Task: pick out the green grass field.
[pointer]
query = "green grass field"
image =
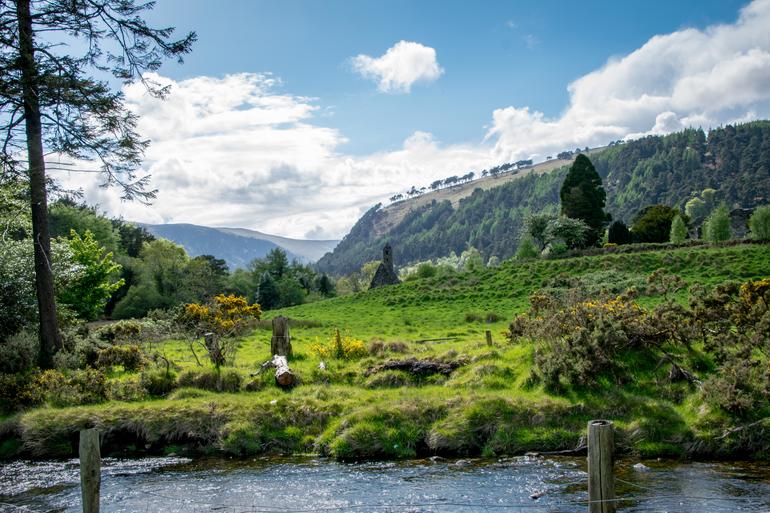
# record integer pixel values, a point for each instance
(487, 406)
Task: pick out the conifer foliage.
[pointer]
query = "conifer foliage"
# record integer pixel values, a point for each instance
(583, 197)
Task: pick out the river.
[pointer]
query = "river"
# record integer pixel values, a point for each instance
(435, 485)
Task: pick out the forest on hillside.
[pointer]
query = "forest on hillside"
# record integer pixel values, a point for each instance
(734, 160)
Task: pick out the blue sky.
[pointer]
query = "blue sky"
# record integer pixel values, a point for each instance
(294, 118)
(493, 53)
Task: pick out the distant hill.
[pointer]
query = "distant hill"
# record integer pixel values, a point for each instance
(238, 246)
(489, 214)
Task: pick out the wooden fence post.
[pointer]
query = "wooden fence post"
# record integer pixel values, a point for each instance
(601, 480)
(90, 470)
(489, 337)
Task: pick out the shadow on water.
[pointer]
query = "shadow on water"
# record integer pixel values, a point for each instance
(430, 485)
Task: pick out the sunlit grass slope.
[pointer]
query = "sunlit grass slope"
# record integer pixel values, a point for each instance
(486, 406)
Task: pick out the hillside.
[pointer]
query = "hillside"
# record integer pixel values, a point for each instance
(489, 404)
(238, 246)
(488, 214)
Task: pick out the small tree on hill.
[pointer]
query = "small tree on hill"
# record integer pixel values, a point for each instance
(218, 322)
(717, 226)
(527, 249)
(618, 233)
(583, 197)
(759, 223)
(678, 230)
(536, 225)
(573, 233)
(653, 223)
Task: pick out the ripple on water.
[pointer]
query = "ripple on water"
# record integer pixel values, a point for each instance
(307, 484)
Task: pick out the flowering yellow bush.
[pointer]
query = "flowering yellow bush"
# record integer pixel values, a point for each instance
(343, 348)
(224, 315)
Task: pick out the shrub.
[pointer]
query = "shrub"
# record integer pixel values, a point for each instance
(740, 387)
(78, 387)
(128, 356)
(578, 340)
(343, 348)
(18, 391)
(759, 223)
(573, 233)
(18, 352)
(158, 381)
(120, 331)
(472, 317)
(653, 223)
(126, 390)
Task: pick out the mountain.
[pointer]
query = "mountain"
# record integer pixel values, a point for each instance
(489, 214)
(238, 246)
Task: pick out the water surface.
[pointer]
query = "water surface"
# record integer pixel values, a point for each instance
(311, 484)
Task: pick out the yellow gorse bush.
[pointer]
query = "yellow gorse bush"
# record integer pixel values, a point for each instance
(223, 315)
(343, 348)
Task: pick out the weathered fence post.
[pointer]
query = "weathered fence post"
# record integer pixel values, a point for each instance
(489, 337)
(601, 479)
(280, 344)
(90, 470)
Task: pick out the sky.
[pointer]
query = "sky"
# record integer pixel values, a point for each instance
(294, 118)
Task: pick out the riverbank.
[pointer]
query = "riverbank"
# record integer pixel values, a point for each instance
(349, 424)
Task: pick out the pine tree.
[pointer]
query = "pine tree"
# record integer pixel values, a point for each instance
(45, 89)
(268, 295)
(618, 233)
(678, 230)
(583, 197)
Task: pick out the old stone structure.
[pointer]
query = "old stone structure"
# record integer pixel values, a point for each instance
(386, 274)
(739, 222)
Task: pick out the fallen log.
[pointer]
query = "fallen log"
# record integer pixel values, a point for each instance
(284, 377)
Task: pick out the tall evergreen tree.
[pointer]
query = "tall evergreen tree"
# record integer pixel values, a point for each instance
(268, 295)
(618, 233)
(49, 104)
(582, 197)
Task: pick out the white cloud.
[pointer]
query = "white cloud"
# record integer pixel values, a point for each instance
(686, 78)
(235, 151)
(403, 65)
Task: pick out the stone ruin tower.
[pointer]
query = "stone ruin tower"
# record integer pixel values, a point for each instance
(386, 274)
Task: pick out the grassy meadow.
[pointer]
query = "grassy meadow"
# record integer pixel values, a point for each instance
(488, 405)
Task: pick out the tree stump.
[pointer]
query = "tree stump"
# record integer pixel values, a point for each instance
(280, 344)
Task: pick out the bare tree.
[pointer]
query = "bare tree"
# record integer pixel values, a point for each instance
(50, 105)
